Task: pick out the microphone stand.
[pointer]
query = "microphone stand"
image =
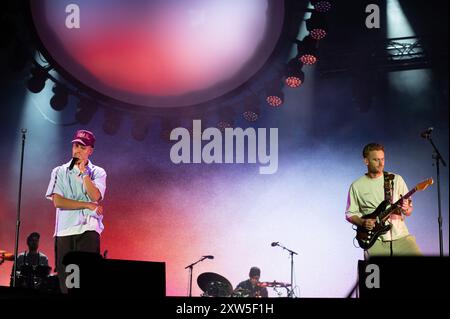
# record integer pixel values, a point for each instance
(191, 266)
(438, 158)
(16, 245)
(291, 255)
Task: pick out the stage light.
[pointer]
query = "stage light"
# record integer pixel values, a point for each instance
(111, 124)
(85, 111)
(322, 5)
(252, 112)
(250, 116)
(38, 78)
(294, 75)
(317, 26)
(60, 98)
(307, 51)
(140, 129)
(275, 94)
(293, 82)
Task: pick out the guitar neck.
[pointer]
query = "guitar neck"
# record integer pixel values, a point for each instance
(395, 206)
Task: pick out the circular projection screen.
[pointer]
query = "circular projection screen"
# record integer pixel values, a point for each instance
(160, 53)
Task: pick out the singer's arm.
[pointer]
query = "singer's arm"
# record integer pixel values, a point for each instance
(92, 189)
(70, 204)
(93, 192)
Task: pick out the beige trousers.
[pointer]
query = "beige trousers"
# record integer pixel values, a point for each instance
(405, 246)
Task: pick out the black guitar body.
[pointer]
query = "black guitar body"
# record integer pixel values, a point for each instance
(367, 238)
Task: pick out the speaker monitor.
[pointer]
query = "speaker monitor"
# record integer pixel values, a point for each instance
(404, 277)
(117, 278)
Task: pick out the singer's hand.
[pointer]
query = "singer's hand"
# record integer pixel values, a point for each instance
(82, 166)
(99, 210)
(95, 207)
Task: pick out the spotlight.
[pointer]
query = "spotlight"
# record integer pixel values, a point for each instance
(60, 98)
(275, 94)
(252, 112)
(322, 5)
(317, 26)
(294, 75)
(111, 122)
(307, 51)
(140, 129)
(85, 111)
(38, 78)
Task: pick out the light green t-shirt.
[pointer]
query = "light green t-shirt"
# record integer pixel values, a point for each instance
(367, 193)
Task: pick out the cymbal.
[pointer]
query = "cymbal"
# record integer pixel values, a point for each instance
(214, 284)
(6, 256)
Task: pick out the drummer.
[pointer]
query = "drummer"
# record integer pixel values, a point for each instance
(33, 257)
(252, 286)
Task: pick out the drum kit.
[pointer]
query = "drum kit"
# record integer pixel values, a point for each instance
(36, 277)
(215, 285)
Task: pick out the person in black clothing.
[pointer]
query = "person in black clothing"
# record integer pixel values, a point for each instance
(252, 287)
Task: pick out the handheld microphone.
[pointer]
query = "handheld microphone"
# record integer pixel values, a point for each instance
(72, 164)
(208, 257)
(274, 244)
(427, 132)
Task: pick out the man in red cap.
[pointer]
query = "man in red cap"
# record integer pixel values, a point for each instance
(76, 188)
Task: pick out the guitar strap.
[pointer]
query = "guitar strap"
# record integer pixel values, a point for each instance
(388, 191)
(388, 186)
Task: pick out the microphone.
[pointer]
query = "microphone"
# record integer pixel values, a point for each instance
(72, 164)
(427, 132)
(274, 244)
(208, 257)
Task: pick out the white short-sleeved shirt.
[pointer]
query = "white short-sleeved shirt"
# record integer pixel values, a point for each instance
(367, 193)
(69, 184)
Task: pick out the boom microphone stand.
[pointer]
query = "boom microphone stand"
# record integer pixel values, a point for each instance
(437, 158)
(291, 255)
(191, 266)
(16, 246)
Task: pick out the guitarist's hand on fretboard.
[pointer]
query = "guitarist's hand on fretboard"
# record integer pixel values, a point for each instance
(406, 206)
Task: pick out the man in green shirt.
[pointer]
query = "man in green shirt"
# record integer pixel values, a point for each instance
(364, 196)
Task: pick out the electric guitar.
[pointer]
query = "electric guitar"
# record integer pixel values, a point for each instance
(366, 238)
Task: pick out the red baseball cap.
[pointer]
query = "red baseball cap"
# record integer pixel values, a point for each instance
(86, 138)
